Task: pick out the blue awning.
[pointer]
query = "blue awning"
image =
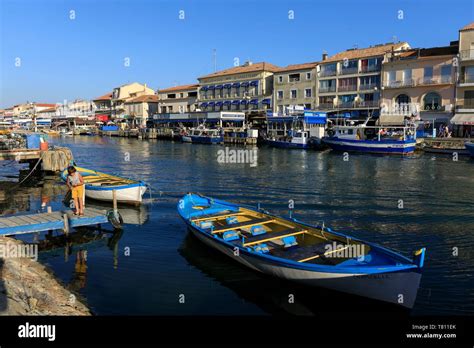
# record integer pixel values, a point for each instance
(244, 84)
(210, 87)
(254, 83)
(254, 102)
(219, 103)
(243, 101)
(235, 102)
(211, 103)
(204, 88)
(227, 85)
(266, 101)
(236, 84)
(218, 87)
(227, 102)
(203, 105)
(315, 119)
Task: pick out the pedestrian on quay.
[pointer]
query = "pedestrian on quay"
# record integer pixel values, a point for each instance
(75, 183)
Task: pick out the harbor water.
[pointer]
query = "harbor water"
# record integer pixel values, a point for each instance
(155, 267)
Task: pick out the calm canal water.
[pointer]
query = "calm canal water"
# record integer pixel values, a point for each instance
(360, 196)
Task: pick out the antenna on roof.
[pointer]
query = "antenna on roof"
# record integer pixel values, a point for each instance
(214, 58)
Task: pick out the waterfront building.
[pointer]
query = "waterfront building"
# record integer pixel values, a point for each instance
(178, 99)
(140, 109)
(124, 93)
(247, 88)
(103, 107)
(294, 85)
(349, 82)
(419, 82)
(463, 119)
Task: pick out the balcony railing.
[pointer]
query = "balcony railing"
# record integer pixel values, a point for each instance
(348, 104)
(368, 86)
(465, 104)
(368, 103)
(326, 73)
(370, 68)
(348, 71)
(347, 88)
(327, 89)
(400, 83)
(466, 54)
(466, 79)
(429, 81)
(326, 106)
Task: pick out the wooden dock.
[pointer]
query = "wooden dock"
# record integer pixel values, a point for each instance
(57, 220)
(20, 155)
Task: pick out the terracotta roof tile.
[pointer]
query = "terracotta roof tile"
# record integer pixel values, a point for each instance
(45, 105)
(49, 109)
(301, 66)
(364, 52)
(179, 88)
(261, 66)
(144, 99)
(107, 96)
(470, 26)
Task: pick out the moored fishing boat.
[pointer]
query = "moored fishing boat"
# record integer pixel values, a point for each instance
(372, 139)
(293, 250)
(470, 148)
(202, 135)
(100, 186)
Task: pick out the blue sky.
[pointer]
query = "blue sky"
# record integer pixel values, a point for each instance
(84, 57)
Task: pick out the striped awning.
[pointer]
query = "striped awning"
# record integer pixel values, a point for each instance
(228, 85)
(227, 102)
(211, 103)
(254, 83)
(463, 119)
(254, 102)
(203, 105)
(235, 102)
(219, 103)
(244, 84)
(236, 84)
(243, 101)
(218, 87)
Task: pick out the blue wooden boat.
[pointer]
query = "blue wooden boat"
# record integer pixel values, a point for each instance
(470, 148)
(294, 250)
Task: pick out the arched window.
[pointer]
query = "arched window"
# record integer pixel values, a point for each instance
(402, 99)
(432, 101)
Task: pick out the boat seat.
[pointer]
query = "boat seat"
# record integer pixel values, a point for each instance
(302, 253)
(216, 216)
(272, 236)
(206, 224)
(289, 241)
(243, 224)
(230, 220)
(261, 248)
(230, 236)
(257, 230)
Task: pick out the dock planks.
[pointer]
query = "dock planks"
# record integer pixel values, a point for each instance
(19, 224)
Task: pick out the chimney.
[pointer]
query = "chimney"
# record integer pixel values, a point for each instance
(325, 55)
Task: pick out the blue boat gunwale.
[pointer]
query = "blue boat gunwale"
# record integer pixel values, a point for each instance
(358, 270)
(375, 141)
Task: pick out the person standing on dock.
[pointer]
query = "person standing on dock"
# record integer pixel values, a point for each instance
(75, 183)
